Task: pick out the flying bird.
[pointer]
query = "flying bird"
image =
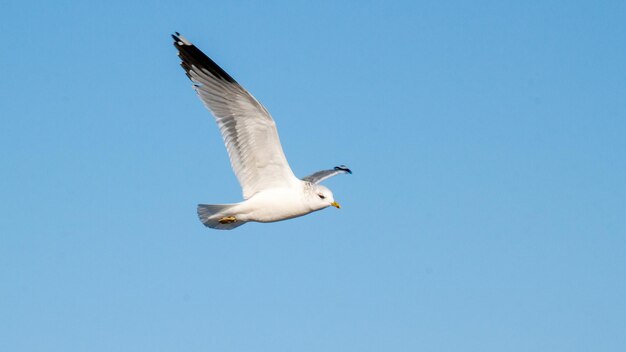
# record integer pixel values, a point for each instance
(271, 191)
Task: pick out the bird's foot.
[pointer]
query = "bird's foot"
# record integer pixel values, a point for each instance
(227, 220)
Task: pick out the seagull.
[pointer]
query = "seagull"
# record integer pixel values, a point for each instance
(270, 189)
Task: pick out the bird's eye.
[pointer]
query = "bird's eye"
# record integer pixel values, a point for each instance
(321, 196)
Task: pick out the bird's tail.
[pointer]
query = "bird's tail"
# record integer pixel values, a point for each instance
(218, 216)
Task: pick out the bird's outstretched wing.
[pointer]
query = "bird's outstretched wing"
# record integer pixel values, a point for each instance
(324, 174)
(249, 131)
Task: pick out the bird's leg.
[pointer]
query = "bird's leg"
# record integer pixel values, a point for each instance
(227, 220)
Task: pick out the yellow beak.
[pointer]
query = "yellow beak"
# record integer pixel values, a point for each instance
(336, 205)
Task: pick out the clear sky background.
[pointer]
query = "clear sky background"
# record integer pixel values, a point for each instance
(486, 212)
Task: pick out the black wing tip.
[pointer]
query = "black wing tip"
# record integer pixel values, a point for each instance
(343, 168)
(192, 56)
(179, 39)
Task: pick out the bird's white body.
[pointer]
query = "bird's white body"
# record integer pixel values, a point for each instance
(275, 205)
(269, 205)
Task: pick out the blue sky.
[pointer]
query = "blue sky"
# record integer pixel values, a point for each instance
(486, 212)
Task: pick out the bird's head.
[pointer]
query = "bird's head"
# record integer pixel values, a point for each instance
(323, 197)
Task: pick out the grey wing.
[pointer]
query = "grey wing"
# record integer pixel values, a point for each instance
(324, 174)
(248, 130)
